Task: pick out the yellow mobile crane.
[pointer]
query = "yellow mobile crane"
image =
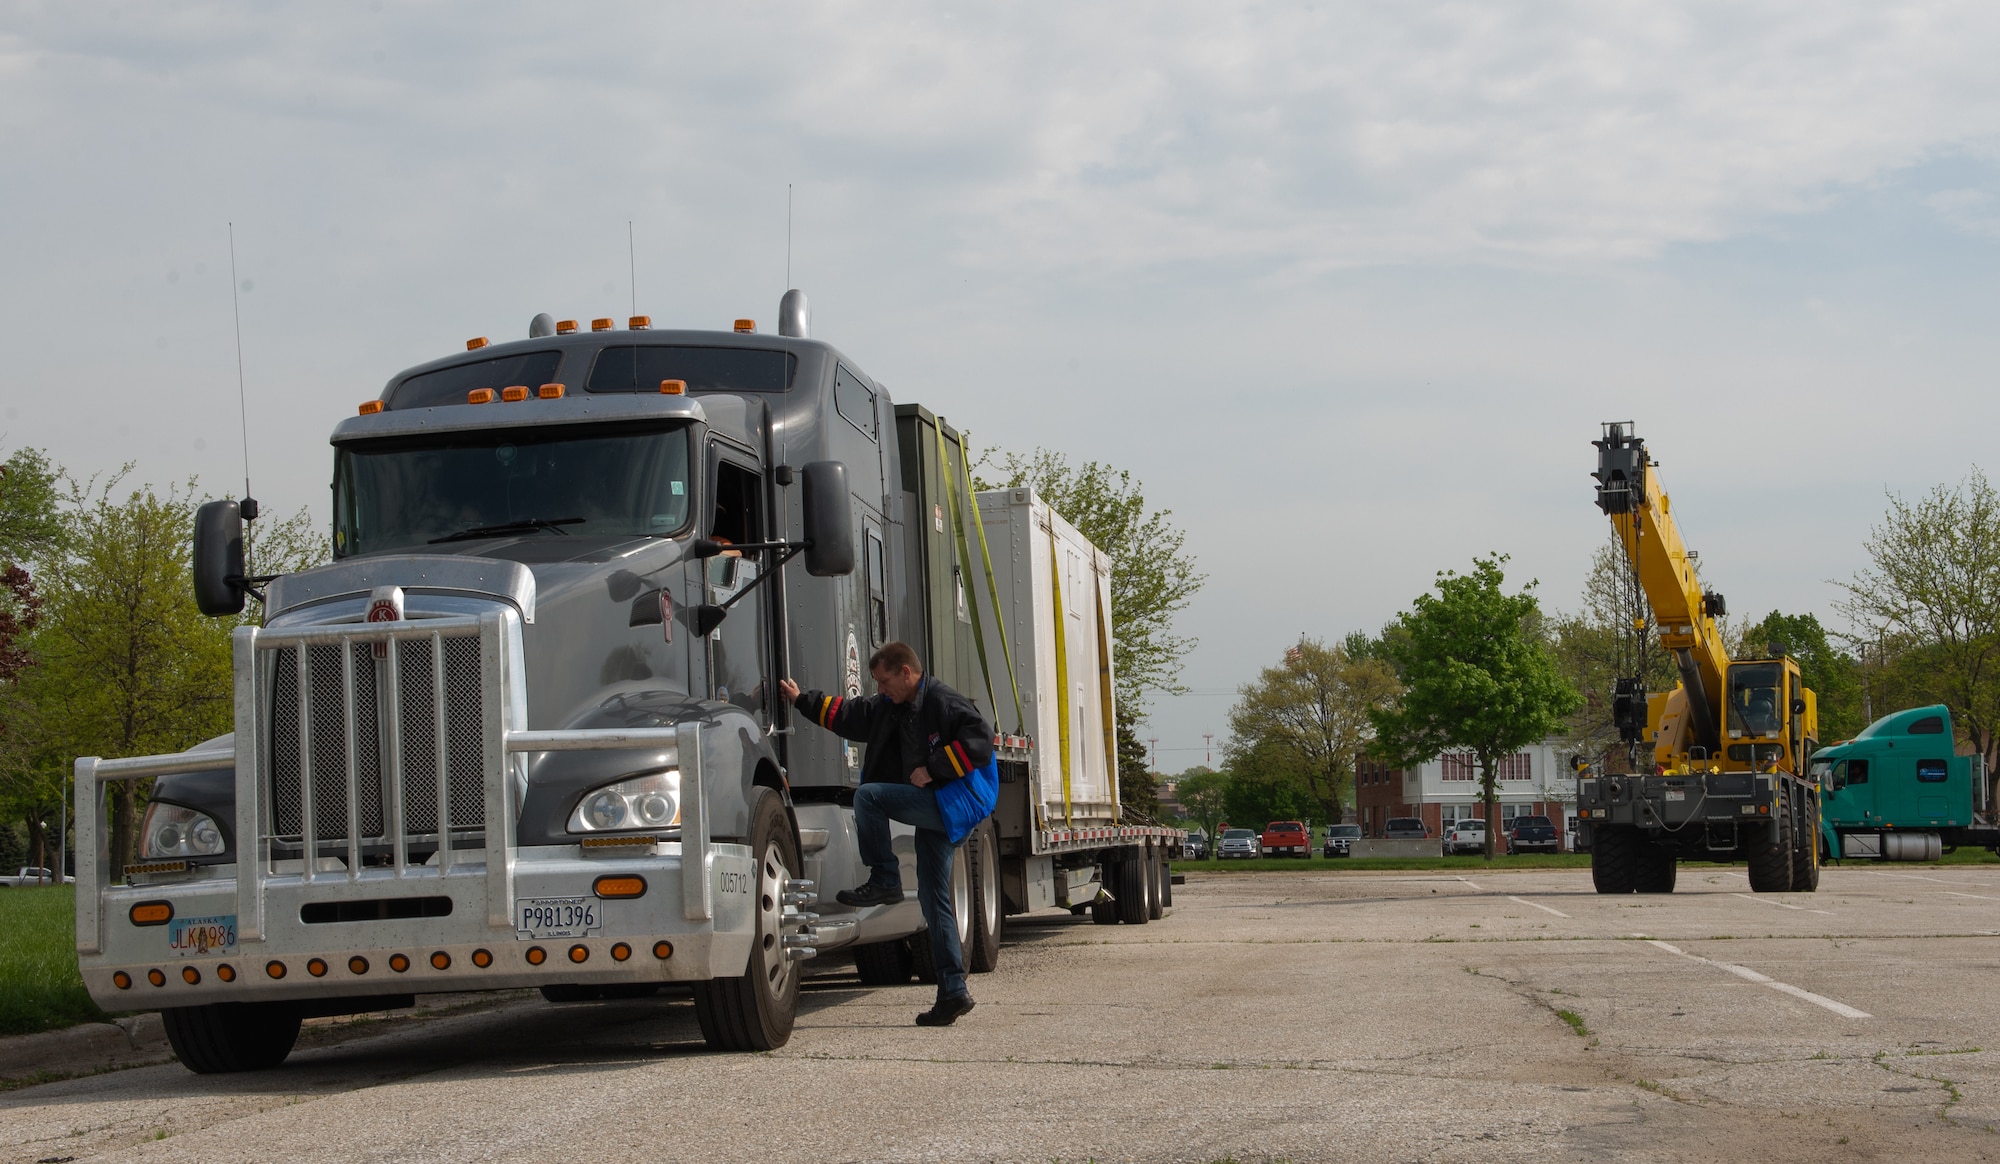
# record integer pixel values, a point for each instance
(1727, 779)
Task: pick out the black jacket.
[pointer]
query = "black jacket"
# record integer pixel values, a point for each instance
(939, 729)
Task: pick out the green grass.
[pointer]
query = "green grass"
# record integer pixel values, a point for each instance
(39, 984)
(1575, 1022)
(1335, 864)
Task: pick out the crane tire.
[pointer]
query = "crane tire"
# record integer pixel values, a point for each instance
(1614, 859)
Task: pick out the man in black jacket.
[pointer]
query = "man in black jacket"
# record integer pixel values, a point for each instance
(920, 735)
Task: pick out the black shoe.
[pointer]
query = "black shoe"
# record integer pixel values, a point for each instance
(873, 893)
(946, 1011)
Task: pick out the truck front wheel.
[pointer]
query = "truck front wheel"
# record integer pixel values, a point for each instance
(1771, 856)
(1614, 859)
(754, 1011)
(1655, 870)
(231, 1036)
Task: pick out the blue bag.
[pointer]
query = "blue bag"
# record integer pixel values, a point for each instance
(965, 802)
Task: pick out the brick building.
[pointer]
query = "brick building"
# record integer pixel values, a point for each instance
(1535, 781)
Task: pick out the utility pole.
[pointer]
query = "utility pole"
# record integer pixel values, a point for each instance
(1153, 753)
(1207, 749)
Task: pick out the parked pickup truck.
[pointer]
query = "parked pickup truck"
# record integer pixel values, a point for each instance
(1466, 836)
(1287, 838)
(1532, 834)
(1340, 839)
(29, 875)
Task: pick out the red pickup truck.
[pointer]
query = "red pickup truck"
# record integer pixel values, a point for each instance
(1287, 838)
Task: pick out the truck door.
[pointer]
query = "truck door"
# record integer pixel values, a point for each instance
(737, 650)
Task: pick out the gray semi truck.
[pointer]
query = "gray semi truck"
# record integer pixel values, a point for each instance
(523, 731)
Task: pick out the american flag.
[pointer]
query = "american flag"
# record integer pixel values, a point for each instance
(1293, 655)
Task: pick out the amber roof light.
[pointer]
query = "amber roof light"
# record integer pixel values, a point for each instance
(602, 324)
(640, 323)
(746, 325)
(370, 407)
(474, 344)
(565, 326)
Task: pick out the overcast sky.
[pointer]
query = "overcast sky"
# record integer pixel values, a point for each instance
(1347, 286)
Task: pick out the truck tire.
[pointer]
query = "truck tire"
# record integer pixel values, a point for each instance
(1156, 881)
(1614, 859)
(1166, 883)
(754, 1011)
(885, 963)
(1131, 880)
(1805, 850)
(1771, 856)
(1655, 869)
(989, 912)
(223, 1037)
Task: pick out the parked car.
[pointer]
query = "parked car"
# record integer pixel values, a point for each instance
(1239, 843)
(1533, 834)
(1287, 838)
(1339, 838)
(1466, 836)
(29, 875)
(1405, 828)
(1195, 847)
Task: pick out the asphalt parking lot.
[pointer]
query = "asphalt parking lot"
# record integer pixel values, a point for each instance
(1300, 1016)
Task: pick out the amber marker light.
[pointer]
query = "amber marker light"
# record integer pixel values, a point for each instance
(673, 387)
(226, 972)
(620, 952)
(152, 913)
(537, 955)
(513, 392)
(475, 343)
(565, 326)
(550, 391)
(603, 324)
(440, 961)
(191, 976)
(482, 958)
(275, 969)
(370, 407)
(399, 962)
(663, 950)
(316, 967)
(156, 978)
(480, 396)
(640, 323)
(357, 965)
(746, 325)
(623, 885)
(122, 980)
(576, 954)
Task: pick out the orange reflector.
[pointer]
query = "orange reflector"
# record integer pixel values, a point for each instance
(537, 955)
(627, 885)
(474, 344)
(550, 391)
(482, 958)
(746, 325)
(663, 950)
(513, 392)
(156, 978)
(357, 965)
(316, 967)
(620, 952)
(440, 961)
(1764, 808)
(640, 322)
(480, 396)
(275, 969)
(191, 976)
(576, 954)
(399, 962)
(601, 324)
(371, 407)
(565, 326)
(122, 980)
(226, 972)
(152, 913)
(673, 387)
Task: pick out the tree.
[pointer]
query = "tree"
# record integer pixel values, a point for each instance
(1204, 793)
(1309, 714)
(1833, 676)
(1932, 597)
(1476, 677)
(1264, 785)
(1138, 788)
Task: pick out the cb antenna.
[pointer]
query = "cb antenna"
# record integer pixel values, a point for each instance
(788, 236)
(632, 257)
(249, 505)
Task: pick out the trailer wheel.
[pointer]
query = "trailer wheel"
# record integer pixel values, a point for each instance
(1655, 869)
(1156, 882)
(1166, 883)
(1132, 886)
(755, 1010)
(1614, 859)
(989, 913)
(1771, 857)
(223, 1037)
(1805, 849)
(885, 963)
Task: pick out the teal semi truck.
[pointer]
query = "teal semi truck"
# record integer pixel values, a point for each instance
(1899, 792)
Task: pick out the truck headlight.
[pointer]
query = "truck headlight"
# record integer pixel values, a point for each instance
(170, 831)
(641, 802)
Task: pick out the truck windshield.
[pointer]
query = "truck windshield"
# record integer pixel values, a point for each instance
(405, 493)
(1754, 694)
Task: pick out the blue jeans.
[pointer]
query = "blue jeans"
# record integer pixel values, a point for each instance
(875, 805)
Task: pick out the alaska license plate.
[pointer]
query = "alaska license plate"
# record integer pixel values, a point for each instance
(199, 937)
(556, 917)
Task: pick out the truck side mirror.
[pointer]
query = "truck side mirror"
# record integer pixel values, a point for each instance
(829, 520)
(218, 558)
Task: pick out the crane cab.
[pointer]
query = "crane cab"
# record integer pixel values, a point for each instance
(1769, 722)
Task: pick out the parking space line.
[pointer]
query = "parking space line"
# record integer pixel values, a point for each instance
(1469, 883)
(1543, 908)
(1749, 975)
(1981, 897)
(1781, 904)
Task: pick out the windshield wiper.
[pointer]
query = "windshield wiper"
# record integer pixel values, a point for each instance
(552, 524)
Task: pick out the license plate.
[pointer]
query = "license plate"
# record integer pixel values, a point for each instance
(556, 917)
(198, 937)
(1676, 794)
